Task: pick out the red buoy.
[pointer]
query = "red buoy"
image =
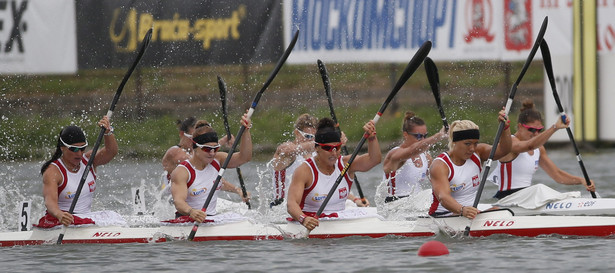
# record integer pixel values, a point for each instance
(433, 248)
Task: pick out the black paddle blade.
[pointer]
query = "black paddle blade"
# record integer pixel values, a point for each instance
(277, 68)
(530, 57)
(434, 81)
(144, 45)
(412, 66)
(324, 74)
(222, 87)
(327, 83)
(546, 58)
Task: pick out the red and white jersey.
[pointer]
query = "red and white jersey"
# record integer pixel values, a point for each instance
(281, 179)
(200, 183)
(406, 180)
(70, 182)
(463, 181)
(315, 194)
(517, 173)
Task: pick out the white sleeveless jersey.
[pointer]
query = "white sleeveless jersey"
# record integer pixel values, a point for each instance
(517, 173)
(281, 179)
(314, 195)
(406, 180)
(70, 183)
(463, 181)
(200, 183)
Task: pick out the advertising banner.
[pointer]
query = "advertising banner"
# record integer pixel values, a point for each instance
(37, 37)
(186, 32)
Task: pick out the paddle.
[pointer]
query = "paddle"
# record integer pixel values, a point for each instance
(546, 57)
(275, 71)
(414, 63)
(327, 83)
(513, 90)
(222, 87)
(434, 81)
(88, 166)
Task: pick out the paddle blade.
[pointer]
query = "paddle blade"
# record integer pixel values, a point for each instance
(412, 66)
(144, 45)
(327, 83)
(434, 81)
(222, 87)
(530, 57)
(546, 58)
(324, 74)
(277, 68)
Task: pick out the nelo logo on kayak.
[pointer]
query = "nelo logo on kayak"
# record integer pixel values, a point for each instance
(498, 223)
(559, 205)
(106, 234)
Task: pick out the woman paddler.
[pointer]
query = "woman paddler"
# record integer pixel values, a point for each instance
(193, 179)
(314, 178)
(62, 174)
(455, 175)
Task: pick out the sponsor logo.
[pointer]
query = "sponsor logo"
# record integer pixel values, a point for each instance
(127, 27)
(12, 30)
(456, 187)
(559, 205)
(318, 198)
(479, 20)
(498, 223)
(517, 24)
(69, 195)
(92, 185)
(475, 181)
(343, 193)
(195, 192)
(106, 234)
(586, 204)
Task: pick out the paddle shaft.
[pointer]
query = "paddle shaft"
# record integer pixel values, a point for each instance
(434, 81)
(511, 96)
(414, 63)
(222, 87)
(257, 98)
(327, 83)
(546, 56)
(88, 166)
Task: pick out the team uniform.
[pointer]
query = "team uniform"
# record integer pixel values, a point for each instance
(406, 180)
(463, 181)
(83, 214)
(200, 182)
(517, 174)
(69, 185)
(314, 195)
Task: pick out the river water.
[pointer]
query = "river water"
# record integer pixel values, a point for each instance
(21, 181)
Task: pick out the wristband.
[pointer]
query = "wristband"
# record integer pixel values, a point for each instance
(190, 211)
(355, 199)
(110, 131)
(302, 218)
(461, 211)
(507, 125)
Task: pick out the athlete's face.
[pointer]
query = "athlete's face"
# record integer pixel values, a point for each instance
(329, 151)
(464, 149)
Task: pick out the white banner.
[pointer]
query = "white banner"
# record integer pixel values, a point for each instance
(37, 37)
(606, 66)
(392, 30)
